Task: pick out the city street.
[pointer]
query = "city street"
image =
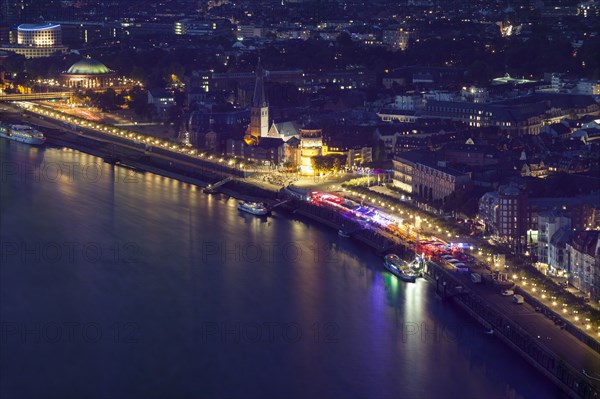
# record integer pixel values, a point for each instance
(550, 335)
(429, 228)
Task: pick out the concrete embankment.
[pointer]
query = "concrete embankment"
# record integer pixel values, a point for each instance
(571, 381)
(450, 287)
(554, 315)
(198, 173)
(371, 237)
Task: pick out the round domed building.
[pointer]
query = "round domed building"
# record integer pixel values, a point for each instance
(88, 74)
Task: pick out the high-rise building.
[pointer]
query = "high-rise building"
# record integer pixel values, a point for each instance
(505, 215)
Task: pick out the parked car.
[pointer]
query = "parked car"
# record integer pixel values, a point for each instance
(507, 292)
(461, 267)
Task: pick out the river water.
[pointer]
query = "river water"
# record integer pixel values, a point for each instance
(115, 283)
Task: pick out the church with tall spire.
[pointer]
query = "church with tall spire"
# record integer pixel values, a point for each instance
(257, 146)
(259, 112)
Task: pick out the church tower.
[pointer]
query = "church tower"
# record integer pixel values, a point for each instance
(259, 112)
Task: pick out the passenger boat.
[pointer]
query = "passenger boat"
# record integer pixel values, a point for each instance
(22, 133)
(399, 268)
(253, 208)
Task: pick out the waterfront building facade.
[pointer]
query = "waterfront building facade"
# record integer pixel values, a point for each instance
(268, 151)
(584, 262)
(504, 214)
(403, 173)
(311, 145)
(356, 154)
(415, 172)
(553, 234)
(436, 181)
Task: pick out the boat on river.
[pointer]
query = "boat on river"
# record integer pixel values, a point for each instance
(400, 268)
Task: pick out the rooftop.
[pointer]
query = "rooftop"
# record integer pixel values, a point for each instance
(34, 27)
(88, 66)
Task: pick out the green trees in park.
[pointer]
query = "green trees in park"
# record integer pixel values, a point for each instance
(328, 163)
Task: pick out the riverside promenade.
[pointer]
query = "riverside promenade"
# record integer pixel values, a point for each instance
(561, 357)
(569, 363)
(557, 354)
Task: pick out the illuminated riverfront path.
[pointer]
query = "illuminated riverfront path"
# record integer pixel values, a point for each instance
(180, 294)
(582, 359)
(403, 223)
(382, 219)
(134, 139)
(394, 220)
(35, 96)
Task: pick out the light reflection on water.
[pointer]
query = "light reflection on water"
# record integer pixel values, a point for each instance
(199, 281)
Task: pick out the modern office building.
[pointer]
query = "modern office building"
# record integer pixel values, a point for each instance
(37, 40)
(505, 216)
(418, 174)
(209, 27)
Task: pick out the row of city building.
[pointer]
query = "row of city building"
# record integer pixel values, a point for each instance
(561, 234)
(251, 20)
(272, 143)
(84, 32)
(523, 115)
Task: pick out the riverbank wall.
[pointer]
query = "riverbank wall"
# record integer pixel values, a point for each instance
(557, 370)
(200, 174)
(451, 288)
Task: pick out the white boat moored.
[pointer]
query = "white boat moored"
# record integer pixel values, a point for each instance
(253, 208)
(22, 133)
